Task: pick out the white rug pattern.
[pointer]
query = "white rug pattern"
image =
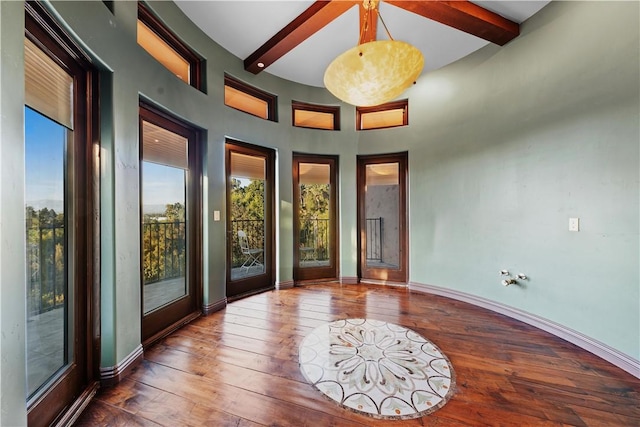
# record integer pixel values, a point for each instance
(377, 368)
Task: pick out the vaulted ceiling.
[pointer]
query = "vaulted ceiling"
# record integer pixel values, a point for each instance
(297, 40)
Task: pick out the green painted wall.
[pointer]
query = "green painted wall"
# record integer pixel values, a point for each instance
(509, 143)
(504, 146)
(12, 245)
(131, 73)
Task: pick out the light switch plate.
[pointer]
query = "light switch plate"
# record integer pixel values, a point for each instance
(216, 215)
(574, 224)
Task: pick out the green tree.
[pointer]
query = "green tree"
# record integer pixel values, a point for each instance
(314, 201)
(164, 244)
(175, 212)
(247, 202)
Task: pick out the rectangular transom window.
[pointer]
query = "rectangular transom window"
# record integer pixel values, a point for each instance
(249, 99)
(315, 116)
(166, 48)
(383, 116)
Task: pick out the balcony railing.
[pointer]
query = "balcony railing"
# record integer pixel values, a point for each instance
(254, 228)
(46, 284)
(314, 239)
(375, 228)
(164, 254)
(164, 250)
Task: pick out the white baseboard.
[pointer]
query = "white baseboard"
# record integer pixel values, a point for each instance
(591, 345)
(348, 280)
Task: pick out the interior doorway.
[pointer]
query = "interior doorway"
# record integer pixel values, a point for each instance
(382, 218)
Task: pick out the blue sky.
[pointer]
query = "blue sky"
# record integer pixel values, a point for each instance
(44, 162)
(161, 184)
(44, 156)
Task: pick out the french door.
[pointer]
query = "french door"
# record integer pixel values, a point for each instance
(250, 218)
(382, 218)
(171, 226)
(315, 217)
(61, 292)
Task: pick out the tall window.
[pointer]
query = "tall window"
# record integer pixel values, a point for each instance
(164, 201)
(248, 195)
(59, 228)
(171, 226)
(47, 247)
(250, 218)
(315, 216)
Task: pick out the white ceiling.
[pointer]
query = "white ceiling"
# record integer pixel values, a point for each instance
(242, 26)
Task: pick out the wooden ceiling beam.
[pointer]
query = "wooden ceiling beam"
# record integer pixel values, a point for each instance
(465, 16)
(318, 15)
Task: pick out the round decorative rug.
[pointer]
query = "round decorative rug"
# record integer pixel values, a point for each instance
(377, 368)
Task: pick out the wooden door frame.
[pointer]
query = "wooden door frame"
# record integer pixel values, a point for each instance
(253, 284)
(154, 325)
(384, 275)
(316, 273)
(78, 381)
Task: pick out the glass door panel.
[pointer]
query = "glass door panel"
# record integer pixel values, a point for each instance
(164, 238)
(382, 217)
(171, 222)
(248, 195)
(314, 217)
(250, 213)
(60, 100)
(314, 190)
(48, 331)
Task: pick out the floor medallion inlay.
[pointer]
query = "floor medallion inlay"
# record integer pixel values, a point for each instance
(377, 368)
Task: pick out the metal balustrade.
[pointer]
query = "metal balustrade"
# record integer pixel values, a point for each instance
(374, 239)
(314, 239)
(46, 284)
(164, 252)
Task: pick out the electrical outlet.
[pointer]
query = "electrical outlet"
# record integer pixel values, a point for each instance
(574, 224)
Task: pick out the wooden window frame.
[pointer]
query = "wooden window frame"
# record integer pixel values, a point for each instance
(326, 109)
(381, 275)
(396, 105)
(269, 98)
(154, 323)
(77, 382)
(157, 26)
(331, 271)
(242, 287)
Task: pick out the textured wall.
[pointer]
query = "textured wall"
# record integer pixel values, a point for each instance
(509, 143)
(382, 202)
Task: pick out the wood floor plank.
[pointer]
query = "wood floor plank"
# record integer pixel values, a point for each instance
(101, 414)
(258, 407)
(239, 367)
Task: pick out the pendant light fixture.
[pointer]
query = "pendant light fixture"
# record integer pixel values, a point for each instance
(375, 72)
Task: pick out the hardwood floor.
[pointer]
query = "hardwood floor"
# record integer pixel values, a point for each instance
(239, 367)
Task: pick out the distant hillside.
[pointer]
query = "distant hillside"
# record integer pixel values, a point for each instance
(154, 209)
(56, 205)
